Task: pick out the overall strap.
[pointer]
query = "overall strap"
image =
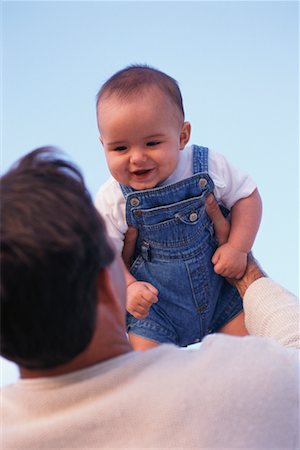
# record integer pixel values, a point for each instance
(200, 159)
(125, 190)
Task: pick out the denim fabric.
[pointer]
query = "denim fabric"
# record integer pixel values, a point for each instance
(173, 252)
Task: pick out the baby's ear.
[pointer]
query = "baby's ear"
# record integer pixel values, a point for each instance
(185, 134)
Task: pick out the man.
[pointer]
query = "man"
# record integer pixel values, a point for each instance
(81, 385)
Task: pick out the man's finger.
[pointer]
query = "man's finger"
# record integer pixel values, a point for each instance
(221, 225)
(129, 245)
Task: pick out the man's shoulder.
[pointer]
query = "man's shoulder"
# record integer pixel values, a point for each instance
(235, 355)
(258, 369)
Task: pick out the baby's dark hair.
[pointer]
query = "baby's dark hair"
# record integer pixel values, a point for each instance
(134, 79)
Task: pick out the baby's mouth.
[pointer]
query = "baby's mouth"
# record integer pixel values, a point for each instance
(140, 173)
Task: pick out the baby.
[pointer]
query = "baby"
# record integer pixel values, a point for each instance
(159, 184)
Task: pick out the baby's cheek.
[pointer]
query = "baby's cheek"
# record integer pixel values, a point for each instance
(118, 171)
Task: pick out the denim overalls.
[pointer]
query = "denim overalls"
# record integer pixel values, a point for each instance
(173, 252)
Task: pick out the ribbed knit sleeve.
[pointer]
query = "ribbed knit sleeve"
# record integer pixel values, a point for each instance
(271, 310)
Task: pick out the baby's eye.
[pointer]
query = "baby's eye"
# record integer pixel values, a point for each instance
(120, 148)
(152, 143)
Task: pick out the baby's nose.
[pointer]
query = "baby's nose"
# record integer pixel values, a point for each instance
(137, 156)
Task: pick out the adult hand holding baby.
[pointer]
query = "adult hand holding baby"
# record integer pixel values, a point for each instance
(140, 294)
(227, 260)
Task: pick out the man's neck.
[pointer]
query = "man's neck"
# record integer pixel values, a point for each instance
(80, 362)
(109, 341)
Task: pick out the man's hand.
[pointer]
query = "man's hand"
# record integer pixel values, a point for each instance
(228, 261)
(140, 297)
(140, 294)
(221, 225)
(222, 228)
(129, 245)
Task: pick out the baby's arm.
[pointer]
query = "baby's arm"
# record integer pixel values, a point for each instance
(110, 203)
(230, 259)
(140, 294)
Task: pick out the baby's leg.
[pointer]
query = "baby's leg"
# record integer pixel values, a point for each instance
(236, 326)
(141, 343)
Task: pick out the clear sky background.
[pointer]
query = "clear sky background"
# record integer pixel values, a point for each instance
(237, 66)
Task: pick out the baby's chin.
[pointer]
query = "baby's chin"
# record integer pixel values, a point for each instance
(143, 186)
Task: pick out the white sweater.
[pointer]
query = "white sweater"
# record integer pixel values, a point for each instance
(231, 393)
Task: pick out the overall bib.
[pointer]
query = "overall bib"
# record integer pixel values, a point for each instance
(173, 252)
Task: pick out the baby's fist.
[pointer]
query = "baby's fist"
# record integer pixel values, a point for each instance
(229, 262)
(140, 297)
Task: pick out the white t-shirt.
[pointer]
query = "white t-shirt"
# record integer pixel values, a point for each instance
(231, 184)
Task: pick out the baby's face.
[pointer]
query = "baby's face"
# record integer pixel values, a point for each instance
(142, 138)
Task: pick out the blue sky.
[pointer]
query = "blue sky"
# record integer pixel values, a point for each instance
(237, 66)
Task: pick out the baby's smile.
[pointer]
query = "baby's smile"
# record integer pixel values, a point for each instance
(141, 172)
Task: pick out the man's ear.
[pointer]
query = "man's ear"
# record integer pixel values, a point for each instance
(111, 283)
(103, 285)
(184, 134)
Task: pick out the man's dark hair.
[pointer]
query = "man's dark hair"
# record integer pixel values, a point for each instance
(135, 79)
(53, 245)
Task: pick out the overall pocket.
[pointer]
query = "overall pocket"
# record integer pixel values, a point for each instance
(169, 212)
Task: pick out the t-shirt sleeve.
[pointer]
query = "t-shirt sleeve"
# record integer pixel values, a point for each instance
(110, 203)
(231, 183)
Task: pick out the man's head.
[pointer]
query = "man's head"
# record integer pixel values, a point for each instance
(141, 123)
(53, 246)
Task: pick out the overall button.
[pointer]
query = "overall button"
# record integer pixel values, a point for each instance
(202, 182)
(193, 217)
(138, 213)
(134, 201)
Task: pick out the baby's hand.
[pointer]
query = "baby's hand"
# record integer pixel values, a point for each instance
(140, 296)
(229, 262)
